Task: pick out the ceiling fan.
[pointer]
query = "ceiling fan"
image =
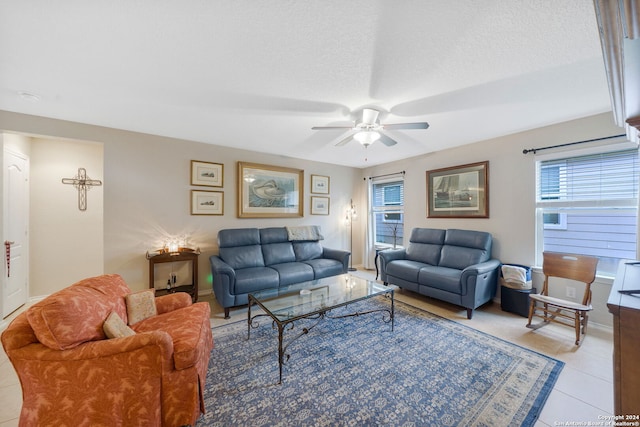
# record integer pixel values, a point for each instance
(369, 130)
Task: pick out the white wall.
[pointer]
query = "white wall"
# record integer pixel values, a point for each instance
(511, 190)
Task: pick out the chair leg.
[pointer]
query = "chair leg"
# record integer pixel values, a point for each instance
(577, 326)
(532, 309)
(469, 313)
(226, 313)
(585, 319)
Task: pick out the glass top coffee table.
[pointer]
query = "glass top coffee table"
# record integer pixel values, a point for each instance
(315, 299)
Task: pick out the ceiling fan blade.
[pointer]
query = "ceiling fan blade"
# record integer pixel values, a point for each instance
(344, 141)
(386, 140)
(420, 125)
(331, 127)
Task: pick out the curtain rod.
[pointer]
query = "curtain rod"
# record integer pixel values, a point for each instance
(534, 150)
(388, 174)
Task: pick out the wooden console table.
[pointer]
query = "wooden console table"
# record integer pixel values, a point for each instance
(191, 256)
(626, 339)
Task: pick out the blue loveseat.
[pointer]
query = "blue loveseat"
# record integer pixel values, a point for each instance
(252, 259)
(451, 265)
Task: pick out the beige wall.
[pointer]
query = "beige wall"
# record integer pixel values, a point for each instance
(66, 244)
(511, 189)
(146, 192)
(146, 187)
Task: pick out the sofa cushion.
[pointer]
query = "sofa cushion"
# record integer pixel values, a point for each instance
(76, 314)
(114, 327)
(255, 279)
(238, 237)
(273, 235)
(243, 256)
(464, 248)
(186, 327)
(405, 269)
(141, 305)
(460, 258)
(293, 272)
(446, 279)
(425, 245)
(307, 250)
(324, 267)
(278, 253)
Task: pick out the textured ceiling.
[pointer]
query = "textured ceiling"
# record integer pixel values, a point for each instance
(258, 75)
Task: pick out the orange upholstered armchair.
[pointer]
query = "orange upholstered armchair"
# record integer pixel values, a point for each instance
(152, 373)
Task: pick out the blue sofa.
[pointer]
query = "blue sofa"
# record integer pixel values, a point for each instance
(451, 265)
(252, 259)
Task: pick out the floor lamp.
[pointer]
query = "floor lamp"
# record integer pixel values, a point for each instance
(351, 214)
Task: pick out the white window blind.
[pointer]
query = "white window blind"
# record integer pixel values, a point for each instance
(589, 205)
(387, 207)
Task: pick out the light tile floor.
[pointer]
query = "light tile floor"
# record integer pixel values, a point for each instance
(582, 394)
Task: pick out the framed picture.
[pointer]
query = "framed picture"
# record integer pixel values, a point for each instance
(269, 191)
(319, 205)
(207, 202)
(459, 191)
(319, 184)
(207, 174)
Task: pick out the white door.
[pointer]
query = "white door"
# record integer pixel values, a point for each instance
(16, 221)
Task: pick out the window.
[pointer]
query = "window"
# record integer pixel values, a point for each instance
(589, 205)
(387, 207)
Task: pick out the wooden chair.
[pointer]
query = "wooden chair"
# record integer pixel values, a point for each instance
(580, 268)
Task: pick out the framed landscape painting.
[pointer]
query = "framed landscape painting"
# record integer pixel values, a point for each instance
(207, 174)
(459, 191)
(207, 202)
(269, 191)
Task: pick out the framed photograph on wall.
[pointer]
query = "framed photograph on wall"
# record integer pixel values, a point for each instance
(269, 191)
(207, 202)
(459, 191)
(207, 174)
(319, 184)
(319, 205)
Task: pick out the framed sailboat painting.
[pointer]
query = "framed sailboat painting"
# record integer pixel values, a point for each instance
(459, 191)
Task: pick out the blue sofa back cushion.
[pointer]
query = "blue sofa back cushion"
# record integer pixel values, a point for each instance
(273, 235)
(242, 256)
(425, 245)
(307, 250)
(278, 253)
(238, 237)
(464, 248)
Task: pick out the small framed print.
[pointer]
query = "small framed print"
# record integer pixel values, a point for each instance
(319, 205)
(207, 202)
(207, 174)
(319, 184)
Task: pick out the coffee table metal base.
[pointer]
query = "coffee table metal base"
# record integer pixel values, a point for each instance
(320, 314)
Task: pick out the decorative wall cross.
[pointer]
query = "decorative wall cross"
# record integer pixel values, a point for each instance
(82, 183)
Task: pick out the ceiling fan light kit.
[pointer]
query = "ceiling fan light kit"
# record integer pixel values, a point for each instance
(366, 137)
(369, 130)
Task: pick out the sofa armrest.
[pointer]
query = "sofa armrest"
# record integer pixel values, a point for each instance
(338, 255)
(389, 255)
(158, 342)
(171, 302)
(478, 269)
(479, 280)
(223, 281)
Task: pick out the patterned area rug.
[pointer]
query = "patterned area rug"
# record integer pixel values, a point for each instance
(355, 371)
